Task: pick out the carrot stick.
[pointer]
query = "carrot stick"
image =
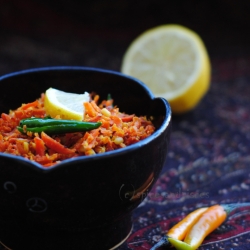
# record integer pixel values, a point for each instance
(89, 109)
(95, 119)
(38, 112)
(93, 103)
(127, 118)
(29, 105)
(55, 145)
(40, 147)
(96, 98)
(5, 117)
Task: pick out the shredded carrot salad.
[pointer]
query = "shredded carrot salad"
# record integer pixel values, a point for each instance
(118, 130)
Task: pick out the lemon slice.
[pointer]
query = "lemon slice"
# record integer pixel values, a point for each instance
(68, 105)
(173, 61)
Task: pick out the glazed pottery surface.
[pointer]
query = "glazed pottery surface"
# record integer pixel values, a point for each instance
(85, 202)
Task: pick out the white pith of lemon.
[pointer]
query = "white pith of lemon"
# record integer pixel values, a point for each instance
(173, 62)
(68, 106)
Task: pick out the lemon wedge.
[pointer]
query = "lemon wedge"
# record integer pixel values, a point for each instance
(173, 61)
(67, 105)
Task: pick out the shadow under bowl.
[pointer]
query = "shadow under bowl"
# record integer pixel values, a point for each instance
(84, 202)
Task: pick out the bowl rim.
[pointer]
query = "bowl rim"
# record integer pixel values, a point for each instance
(117, 152)
(78, 68)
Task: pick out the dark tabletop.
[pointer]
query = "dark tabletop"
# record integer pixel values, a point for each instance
(208, 161)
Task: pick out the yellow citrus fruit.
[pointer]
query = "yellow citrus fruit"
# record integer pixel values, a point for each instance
(173, 62)
(67, 105)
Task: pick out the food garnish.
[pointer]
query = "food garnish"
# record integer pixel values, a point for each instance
(55, 126)
(68, 105)
(34, 132)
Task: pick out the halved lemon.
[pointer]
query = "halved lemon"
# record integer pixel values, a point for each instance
(67, 105)
(173, 61)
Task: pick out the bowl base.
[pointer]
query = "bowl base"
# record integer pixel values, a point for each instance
(106, 237)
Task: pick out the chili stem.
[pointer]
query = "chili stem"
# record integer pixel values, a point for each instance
(162, 242)
(230, 207)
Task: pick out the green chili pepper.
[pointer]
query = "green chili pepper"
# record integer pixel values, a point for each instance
(109, 97)
(42, 122)
(55, 126)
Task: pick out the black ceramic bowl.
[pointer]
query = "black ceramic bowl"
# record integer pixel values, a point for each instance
(85, 202)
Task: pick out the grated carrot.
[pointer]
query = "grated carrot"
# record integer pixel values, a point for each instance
(118, 130)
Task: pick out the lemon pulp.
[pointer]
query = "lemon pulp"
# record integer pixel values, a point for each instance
(66, 105)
